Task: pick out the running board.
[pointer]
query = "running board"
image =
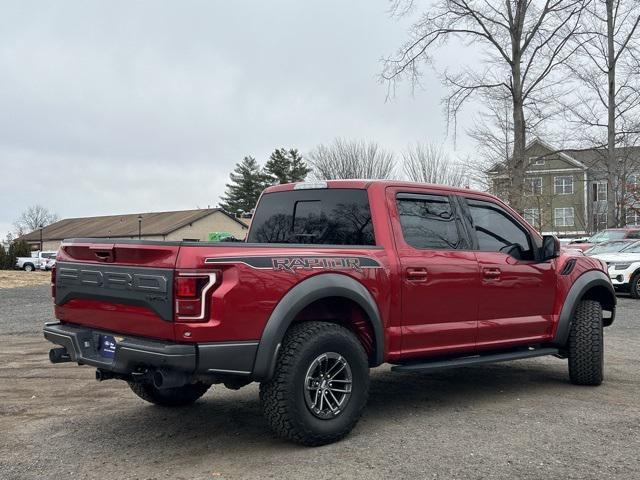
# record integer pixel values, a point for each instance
(474, 360)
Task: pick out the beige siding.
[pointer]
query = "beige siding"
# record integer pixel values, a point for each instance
(200, 229)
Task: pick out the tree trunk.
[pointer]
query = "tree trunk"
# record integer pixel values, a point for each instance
(611, 163)
(518, 162)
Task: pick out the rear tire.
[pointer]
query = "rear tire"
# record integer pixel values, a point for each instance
(586, 344)
(634, 287)
(28, 267)
(317, 361)
(169, 397)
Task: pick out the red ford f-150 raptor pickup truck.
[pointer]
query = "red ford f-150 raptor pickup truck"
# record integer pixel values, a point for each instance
(334, 278)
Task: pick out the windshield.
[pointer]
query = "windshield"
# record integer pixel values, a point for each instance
(633, 248)
(607, 247)
(319, 216)
(606, 235)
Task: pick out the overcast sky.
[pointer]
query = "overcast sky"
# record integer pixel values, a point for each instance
(121, 107)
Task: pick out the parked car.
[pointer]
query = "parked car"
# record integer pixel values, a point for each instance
(608, 247)
(29, 264)
(48, 264)
(606, 236)
(335, 278)
(624, 269)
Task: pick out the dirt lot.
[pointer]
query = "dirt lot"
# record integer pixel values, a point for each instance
(518, 420)
(19, 278)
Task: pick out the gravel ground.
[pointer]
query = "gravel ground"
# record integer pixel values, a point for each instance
(513, 420)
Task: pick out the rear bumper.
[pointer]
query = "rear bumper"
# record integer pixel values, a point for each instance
(135, 353)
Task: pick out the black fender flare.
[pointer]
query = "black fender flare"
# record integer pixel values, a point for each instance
(308, 291)
(584, 283)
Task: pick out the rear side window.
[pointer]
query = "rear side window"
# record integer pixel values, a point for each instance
(324, 216)
(428, 221)
(495, 229)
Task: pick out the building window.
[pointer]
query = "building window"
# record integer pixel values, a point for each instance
(533, 186)
(563, 185)
(633, 217)
(532, 216)
(563, 217)
(599, 191)
(600, 221)
(536, 160)
(633, 182)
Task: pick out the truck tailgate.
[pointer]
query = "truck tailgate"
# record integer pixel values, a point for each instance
(121, 287)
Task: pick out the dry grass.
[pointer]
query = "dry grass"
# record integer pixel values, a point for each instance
(19, 278)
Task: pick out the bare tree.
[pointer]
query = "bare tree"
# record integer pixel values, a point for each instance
(522, 41)
(343, 159)
(606, 105)
(430, 163)
(33, 218)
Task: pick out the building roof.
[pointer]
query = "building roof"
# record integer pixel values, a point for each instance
(585, 158)
(114, 226)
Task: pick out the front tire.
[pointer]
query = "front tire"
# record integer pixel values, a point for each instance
(586, 344)
(169, 397)
(320, 385)
(634, 286)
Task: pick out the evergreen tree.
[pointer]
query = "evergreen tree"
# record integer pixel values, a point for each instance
(247, 182)
(286, 166)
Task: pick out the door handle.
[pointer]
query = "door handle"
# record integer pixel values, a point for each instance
(492, 273)
(416, 274)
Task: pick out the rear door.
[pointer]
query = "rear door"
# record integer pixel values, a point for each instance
(517, 291)
(439, 274)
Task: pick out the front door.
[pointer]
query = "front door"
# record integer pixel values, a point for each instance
(440, 280)
(517, 291)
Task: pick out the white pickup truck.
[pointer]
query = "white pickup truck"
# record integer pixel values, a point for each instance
(29, 264)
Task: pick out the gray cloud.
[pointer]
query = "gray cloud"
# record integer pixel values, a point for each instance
(112, 107)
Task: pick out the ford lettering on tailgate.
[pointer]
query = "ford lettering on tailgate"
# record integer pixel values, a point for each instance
(147, 287)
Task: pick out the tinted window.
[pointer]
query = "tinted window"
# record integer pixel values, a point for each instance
(323, 216)
(428, 221)
(495, 229)
(634, 234)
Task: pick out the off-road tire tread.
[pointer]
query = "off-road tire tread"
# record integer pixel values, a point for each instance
(169, 397)
(586, 344)
(273, 393)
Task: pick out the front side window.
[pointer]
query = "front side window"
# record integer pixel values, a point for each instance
(633, 248)
(564, 217)
(334, 216)
(495, 229)
(428, 221)
(563, 185)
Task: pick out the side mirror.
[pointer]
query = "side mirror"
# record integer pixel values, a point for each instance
(550, 247)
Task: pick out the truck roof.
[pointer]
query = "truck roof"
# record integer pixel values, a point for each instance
(365, 184)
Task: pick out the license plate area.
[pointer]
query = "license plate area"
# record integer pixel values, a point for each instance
(107, 346)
